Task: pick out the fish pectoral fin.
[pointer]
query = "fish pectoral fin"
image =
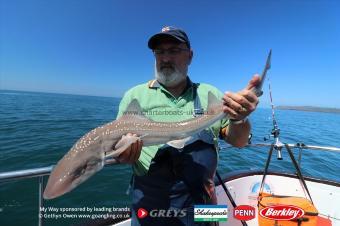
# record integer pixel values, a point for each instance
(179, 144)
(144, 135)
(122, 145)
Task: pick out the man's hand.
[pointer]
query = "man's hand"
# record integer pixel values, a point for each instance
(239, 105)
(132, 153)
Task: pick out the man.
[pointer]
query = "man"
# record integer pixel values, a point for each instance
(166, 178)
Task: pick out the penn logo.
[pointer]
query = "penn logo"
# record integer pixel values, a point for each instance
(244, 212)
(141, 213)
(282, 212)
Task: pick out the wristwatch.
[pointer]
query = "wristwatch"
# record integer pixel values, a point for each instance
(237, 122)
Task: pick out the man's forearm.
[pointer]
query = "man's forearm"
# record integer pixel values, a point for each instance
(237, 134)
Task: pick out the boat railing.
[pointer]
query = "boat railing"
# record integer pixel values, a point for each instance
(44, 171)
(300, 146)
(34, 173)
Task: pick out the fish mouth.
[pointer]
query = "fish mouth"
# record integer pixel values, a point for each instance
(51, 194)
(62, 181)
(54, 189)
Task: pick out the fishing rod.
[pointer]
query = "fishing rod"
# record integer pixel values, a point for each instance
(258, 91)
(278, 145)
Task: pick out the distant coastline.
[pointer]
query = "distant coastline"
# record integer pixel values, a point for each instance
(53, 93)
(310, 108)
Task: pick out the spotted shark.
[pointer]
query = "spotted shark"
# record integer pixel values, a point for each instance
(88, 154)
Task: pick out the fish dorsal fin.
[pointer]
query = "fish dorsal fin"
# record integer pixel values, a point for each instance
(133, 108)
(134, 112)
(214, 104)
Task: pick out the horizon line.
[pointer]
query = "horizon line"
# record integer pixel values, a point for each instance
(90, 95)
(47, 92)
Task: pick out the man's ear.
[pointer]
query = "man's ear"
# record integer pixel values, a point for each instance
(191, 55)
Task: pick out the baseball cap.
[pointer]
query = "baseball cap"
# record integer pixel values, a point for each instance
(169, 32)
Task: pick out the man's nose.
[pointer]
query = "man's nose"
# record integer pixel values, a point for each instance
(165, 58)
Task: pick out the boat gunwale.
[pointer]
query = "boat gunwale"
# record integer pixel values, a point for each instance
(226, 177)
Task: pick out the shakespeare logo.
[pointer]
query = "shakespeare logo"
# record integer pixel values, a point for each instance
(210, 213)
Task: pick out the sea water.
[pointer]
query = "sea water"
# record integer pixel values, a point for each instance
(37, 129)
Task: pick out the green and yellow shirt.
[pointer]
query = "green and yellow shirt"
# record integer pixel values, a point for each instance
(158, 104)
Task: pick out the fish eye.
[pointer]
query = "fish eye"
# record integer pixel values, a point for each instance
(90, 165)
(79, 171)
(86, 166)
(82, 169)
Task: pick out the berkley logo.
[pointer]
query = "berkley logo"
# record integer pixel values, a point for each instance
(244, 212)
(282, 212)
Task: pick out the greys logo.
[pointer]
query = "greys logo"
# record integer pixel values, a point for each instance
(165, 213)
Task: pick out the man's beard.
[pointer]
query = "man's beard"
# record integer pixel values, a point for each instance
(170, 76)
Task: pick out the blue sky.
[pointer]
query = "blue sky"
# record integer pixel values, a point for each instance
(100, 47)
